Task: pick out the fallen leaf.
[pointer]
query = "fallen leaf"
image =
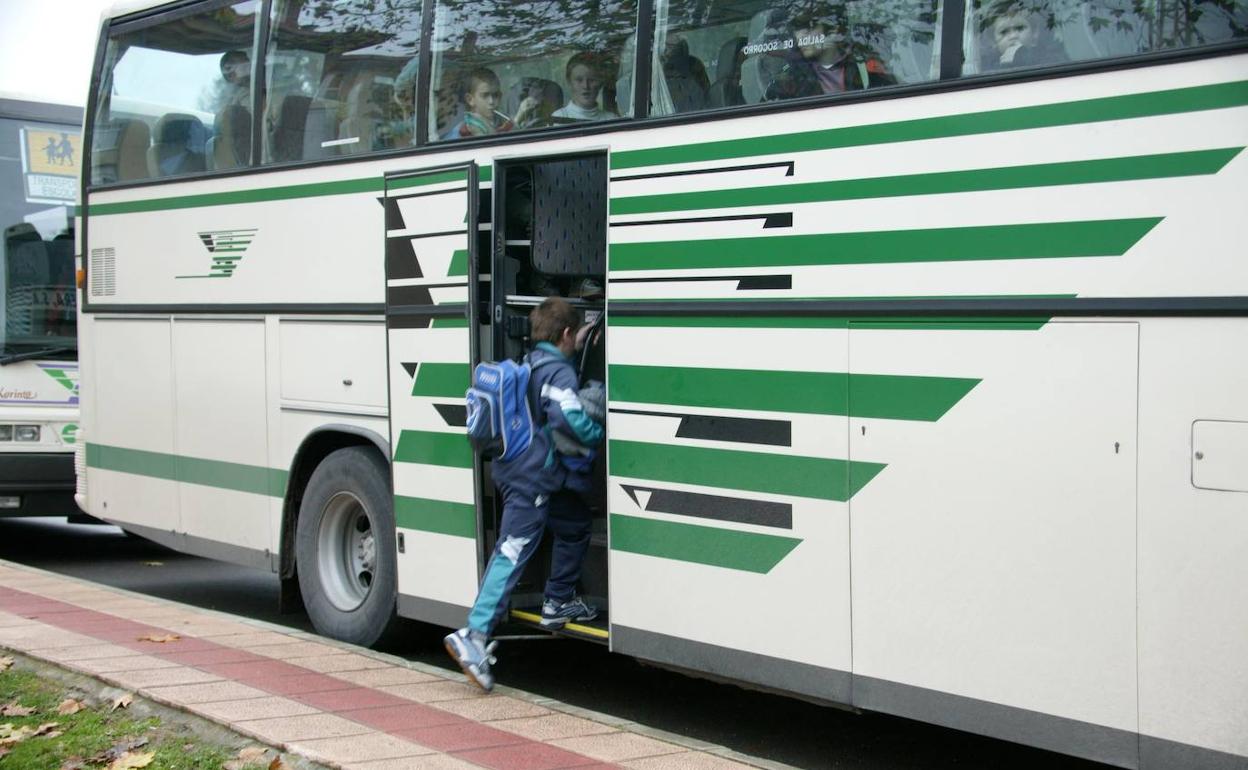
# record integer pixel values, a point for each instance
(132, 761)
(46, 728)
(10, 735)
(278, 764)
(5, 663)
(14, 710)
(160, 638)
(121, 701)
(70, 706)
(252, 756)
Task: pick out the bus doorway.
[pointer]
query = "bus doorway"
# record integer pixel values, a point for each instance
(549, 238)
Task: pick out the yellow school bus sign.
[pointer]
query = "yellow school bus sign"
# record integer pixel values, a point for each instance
(50, 160)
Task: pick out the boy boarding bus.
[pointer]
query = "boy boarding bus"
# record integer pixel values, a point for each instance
(40, 153)
(921, 338)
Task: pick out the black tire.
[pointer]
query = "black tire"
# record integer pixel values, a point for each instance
(349, 485)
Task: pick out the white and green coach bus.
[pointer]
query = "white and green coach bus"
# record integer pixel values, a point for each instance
(924, 343)
(40, 153)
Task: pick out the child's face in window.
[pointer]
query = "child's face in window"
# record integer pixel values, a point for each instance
(820, 42)
(585, 85)
(236, 71)
(484, 99)
(1011, 33)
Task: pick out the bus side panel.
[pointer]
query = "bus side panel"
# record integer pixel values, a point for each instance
(994, 557)
(728, 489)
(1193, 544)
(130, 442)
(222, 436)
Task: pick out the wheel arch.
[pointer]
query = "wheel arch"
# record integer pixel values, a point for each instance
(314, 448)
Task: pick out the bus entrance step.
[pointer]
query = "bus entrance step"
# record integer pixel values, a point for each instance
(594, 630)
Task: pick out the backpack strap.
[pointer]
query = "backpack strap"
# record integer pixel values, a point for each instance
(535, 403)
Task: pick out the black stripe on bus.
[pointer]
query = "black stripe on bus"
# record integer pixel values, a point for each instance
(401, 260)
(743, 430)
(788, 165)
(454, 415)
(770, 221)
(744, 282)
(763, 513)
(397, 296)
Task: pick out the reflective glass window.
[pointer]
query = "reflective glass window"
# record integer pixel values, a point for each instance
(722, 53)
(499, 65)
(175, 97)
(1010, 34)
(39, 164)
(341, 78)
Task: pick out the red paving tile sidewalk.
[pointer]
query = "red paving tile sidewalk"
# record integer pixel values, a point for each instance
(332, 703)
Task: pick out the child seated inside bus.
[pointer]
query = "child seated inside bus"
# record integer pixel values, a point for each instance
(539, 492)
(481, 94)
(1019, 42)
(825, 58)
(585, 81)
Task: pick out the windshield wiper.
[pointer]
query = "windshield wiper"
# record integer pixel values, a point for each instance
(12, 358)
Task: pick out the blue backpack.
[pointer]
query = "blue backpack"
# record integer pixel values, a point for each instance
(500, 418)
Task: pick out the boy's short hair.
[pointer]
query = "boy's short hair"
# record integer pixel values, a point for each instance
(549, 319)
(468, 83)
(829, 14)
(584, 59)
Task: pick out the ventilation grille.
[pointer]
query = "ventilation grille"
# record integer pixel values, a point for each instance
(103, 272)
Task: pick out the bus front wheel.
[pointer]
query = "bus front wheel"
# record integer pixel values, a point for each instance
(344, 548)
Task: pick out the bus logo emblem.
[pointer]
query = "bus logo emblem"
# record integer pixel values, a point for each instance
(226, 247)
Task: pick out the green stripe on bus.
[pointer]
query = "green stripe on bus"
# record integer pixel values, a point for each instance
(441, 380)
(915, 323)
(439, 516)
(1042, 175)
(728, 548)
(1050, 240)
(431, 448)
(406, 182)
(450, 323)
(815, 477)
(266, 194)
(261, 195)
(1154, 103)
(459, 263)
(255, 479)
(891, 397)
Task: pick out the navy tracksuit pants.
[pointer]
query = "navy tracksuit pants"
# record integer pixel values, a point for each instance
(525, 518)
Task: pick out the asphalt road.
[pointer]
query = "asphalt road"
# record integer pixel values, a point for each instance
(763, 725)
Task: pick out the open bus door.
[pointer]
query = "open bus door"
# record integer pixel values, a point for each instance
(548, 238)
(431, 252)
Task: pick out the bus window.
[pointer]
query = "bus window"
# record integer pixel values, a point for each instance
(341, 78)
(501, 66)
(38, 167)
(709, 55)
(175, 97)
(1007, 34)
